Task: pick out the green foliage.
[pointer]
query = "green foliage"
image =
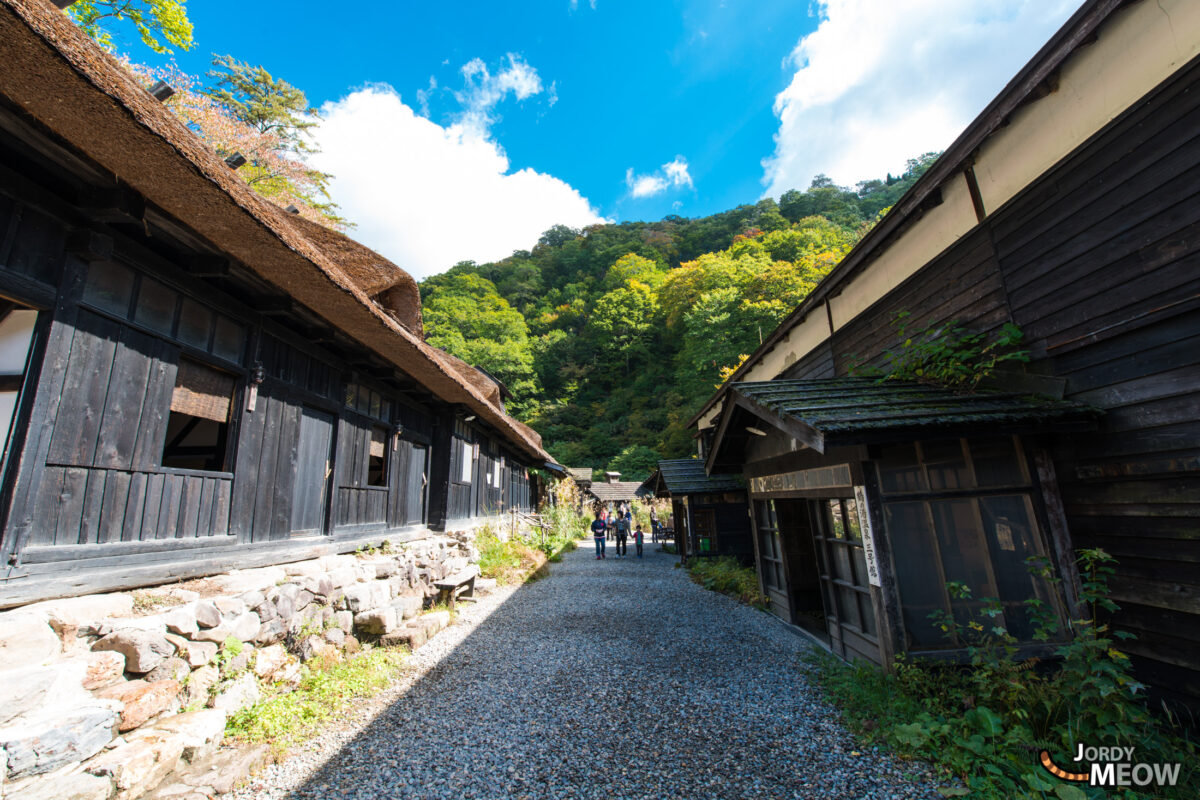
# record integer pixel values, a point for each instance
(947, 355)
(727, 576)
(635, 462)
(287, 716)
(985, 725)
(280, 113)
(628, 328)
(151, 18)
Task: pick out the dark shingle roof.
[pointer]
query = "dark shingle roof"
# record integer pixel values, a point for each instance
(858, 410)
(581, 475)
(687, 476)
(617, 491)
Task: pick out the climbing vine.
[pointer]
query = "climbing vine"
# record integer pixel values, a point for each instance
(946, 355)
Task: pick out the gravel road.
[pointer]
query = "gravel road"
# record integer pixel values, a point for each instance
(609, 679)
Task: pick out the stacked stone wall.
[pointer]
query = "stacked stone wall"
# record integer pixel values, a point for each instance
(112, 695)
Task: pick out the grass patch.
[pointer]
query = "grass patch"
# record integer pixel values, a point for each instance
(287, 716)
(727, 576)
(509, 562)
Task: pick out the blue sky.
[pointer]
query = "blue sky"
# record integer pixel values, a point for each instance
(461, 130)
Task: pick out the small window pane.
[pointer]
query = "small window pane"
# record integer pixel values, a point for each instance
(946, 464)
(997, 462)
(964, 552)
(836, 527)
(109, 287)
(867, 612)
(1009, 528)
(853, 529)
(914, 550)
(848, 606)
(229, 340)
(195, 324)
(377, 458)
(375, 398)
(156, 306)
(899, 470)
(351, 394)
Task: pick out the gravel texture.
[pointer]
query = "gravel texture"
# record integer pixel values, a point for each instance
(609, 679)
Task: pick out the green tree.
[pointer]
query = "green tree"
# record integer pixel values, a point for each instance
(281, 115)
(152, 19)
(466, 316)
(635, 462)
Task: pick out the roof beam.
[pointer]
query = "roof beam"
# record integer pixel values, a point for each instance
(806, 434)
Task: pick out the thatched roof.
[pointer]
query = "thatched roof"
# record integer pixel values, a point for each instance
(380, 279)
(63, 80)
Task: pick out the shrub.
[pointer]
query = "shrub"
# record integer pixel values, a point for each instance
(987, 723)
(727, 576)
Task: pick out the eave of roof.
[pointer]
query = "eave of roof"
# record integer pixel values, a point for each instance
(680, 476)
(848, 411)
(1076, 32)
(61, 78)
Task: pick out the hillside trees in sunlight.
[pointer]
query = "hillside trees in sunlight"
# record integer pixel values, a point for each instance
(467, 317)
(631, 326)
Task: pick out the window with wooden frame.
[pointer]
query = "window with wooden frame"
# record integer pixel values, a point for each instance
(198, 427)
(123, 292)
(16, 338)
(377, 459)
(962, 511)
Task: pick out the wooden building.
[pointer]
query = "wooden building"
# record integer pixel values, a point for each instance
(709, 510)
(613, 491)
(1067, 208)
(191, 379)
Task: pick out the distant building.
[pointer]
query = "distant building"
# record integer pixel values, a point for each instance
(614, 491)
(709, 511)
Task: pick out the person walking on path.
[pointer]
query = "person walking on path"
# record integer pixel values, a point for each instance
(637, 540)
(653, 524)
(622, 536)
(599, 530)
(611, 523)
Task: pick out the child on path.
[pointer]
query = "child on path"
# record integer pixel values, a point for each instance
(637, 540)
(622, 536)
(599, 530)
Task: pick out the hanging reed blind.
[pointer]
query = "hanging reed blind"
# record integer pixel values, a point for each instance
(202, 391)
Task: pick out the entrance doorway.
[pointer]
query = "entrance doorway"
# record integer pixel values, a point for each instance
(813, 568)
(311, 490)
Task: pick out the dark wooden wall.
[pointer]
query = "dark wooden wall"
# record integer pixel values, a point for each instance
(1098, 263)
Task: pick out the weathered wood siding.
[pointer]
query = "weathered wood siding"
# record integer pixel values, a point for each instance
(1098, 262)
(1101, 261)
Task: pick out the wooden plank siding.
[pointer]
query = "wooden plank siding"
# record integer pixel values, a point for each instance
(1098, 262)
(1101, 261)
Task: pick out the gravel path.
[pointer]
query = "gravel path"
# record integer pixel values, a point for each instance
(612, 679)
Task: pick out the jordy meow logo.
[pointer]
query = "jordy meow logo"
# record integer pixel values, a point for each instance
(1112, 766)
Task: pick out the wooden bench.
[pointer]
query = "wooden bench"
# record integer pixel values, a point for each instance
(448, 587)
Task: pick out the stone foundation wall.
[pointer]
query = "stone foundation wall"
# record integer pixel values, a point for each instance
(105, 696)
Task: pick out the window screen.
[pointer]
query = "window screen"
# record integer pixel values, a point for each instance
(197, 429)
(961, 511)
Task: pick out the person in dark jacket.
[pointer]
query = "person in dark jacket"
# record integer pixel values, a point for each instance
(599, 531)
(622, 535)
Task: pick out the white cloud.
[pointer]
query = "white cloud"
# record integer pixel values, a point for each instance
(427, 196)
(483, 91)
(880, 82)
(673, 174)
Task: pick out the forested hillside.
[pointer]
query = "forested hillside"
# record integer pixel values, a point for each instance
(611, 337)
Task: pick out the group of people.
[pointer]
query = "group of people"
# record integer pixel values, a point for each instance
(620, 525)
